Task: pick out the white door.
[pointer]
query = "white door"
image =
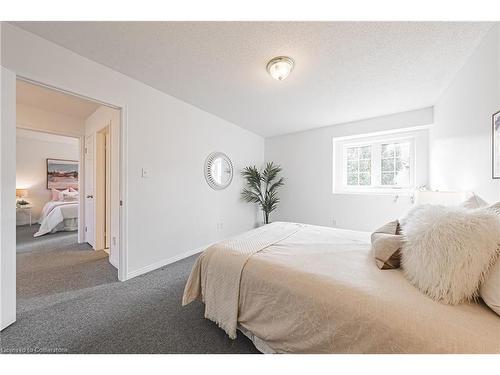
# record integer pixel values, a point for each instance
(89, 191)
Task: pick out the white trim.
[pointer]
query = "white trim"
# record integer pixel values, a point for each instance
(81, 190)
(389, 191)
(64, 91)
(123, 236)
(7, 203)
(164, 262)
(99, 189)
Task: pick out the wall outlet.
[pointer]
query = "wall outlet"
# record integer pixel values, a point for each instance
(220, 226)
(334, 222)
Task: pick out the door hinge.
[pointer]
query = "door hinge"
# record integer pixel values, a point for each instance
(86, 151)
(121, 203)
(85, 228)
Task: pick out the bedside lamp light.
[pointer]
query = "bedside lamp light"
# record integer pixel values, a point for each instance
(21, 193)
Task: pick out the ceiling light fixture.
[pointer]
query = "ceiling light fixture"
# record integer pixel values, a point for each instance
(280, 67)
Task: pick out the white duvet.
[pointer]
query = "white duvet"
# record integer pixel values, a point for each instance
(54, 213)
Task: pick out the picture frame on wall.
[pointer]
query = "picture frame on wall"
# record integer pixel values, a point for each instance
(62, 174)
(495, 124)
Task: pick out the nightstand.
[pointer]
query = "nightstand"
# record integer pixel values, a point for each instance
(26, 209)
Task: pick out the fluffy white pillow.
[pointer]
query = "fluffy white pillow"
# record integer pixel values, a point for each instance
(448, 250)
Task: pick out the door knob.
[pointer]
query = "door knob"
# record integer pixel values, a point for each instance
(90, 196)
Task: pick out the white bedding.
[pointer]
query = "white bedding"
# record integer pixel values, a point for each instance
(56, 216)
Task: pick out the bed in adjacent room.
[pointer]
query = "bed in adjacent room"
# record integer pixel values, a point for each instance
(59, 215)
(294, 288)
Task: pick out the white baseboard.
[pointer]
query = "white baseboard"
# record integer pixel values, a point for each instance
(164, 262)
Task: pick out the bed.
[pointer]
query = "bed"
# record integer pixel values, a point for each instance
(58, 216)
(294, 288)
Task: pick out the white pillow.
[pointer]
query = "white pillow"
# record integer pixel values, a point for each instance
(448, 250)
(57, 195)
(70, 196)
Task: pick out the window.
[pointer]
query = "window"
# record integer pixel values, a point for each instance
(379, 164)
(382, 163)
(359, 166)
(395, 164)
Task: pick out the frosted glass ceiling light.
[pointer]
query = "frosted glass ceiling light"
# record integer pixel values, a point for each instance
(280, 67)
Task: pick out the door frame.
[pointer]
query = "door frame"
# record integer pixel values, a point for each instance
(102, 183)
(8, 309)
(83, 189)
(7, 281)
(7, 201)
(122, 219)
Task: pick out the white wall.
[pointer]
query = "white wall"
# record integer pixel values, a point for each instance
(174, 210)
(29, 117)
(460, 141)
(32, 151)
(307, 161)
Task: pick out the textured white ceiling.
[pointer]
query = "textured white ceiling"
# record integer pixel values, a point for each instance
(344, 71)
(53, 101)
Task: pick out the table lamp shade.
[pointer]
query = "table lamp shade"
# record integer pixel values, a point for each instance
(21, 193)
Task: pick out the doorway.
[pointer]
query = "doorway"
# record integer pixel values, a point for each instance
(8, 190)
(102, 203)
(98, 173)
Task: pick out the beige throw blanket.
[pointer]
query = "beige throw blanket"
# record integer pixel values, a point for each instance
(217, 273)
(386, 245)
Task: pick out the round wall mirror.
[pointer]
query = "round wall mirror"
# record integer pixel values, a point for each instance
(218, 170)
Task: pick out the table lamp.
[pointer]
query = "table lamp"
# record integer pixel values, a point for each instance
(21, 194)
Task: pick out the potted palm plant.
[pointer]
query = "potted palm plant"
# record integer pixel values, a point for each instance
(262, 187)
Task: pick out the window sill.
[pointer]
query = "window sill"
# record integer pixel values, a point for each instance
(392, 192)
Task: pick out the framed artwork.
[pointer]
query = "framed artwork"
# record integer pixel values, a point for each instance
(62, 174)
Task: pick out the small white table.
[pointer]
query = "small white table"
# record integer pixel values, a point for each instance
(26, 208)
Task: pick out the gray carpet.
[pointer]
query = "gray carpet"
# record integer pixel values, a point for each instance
(69, 301)
(53, 241)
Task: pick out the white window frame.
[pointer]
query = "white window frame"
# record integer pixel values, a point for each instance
(412, 136)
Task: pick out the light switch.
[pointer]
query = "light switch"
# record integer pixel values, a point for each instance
(145, 173)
